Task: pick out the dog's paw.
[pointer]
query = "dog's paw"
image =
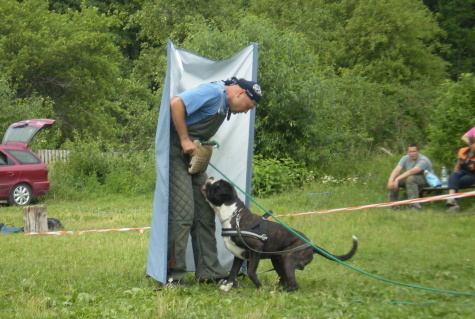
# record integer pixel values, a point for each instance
(226, 286)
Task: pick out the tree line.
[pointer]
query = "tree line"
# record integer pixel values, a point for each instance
(340, 77)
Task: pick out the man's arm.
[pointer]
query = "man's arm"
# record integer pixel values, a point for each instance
(392, 183)
(178, 112)
(413, 171)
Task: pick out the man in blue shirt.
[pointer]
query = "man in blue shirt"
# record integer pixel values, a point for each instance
(414, 164)
(197, 114)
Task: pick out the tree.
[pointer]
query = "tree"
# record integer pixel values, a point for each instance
(33, 107)
(457, 18)
(70, 58)
(451, 117)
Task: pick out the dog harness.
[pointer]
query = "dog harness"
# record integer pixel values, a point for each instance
(250, 232)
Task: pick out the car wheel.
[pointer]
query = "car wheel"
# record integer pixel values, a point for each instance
(20, 195)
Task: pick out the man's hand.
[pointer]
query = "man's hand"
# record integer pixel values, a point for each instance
(393, 185)
(188, 146)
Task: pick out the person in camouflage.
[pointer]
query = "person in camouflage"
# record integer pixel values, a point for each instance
(414, 164)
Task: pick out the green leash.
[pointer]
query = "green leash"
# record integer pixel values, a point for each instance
(335, 259)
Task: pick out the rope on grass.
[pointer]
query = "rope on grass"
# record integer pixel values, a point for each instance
(360, 207)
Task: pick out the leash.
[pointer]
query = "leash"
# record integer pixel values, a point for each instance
(335, 259)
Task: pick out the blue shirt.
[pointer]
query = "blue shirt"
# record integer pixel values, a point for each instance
(204, 100)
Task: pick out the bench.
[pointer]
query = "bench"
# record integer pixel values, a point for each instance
(439, 189)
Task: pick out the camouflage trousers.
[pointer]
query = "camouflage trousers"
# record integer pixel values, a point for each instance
(190, 214)
(412, 185)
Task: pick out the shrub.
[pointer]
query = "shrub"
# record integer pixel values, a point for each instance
(92, 170)
(451, 117)
(272, 176)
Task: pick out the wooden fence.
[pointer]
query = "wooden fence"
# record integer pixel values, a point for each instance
(50, 156)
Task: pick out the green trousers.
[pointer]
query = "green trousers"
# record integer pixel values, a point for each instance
(190, 214)
(412, 185)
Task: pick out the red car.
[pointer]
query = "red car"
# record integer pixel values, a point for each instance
(23, 175)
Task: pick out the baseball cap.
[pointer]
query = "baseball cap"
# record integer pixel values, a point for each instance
(253, 90)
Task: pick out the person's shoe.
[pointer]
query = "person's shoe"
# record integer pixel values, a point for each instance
(454, 209)
(451, 202)
(175, 283)
(416, 206)
(215, 280)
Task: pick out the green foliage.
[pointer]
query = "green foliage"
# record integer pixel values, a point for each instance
(386, 41)
(339, 77)
(450, 117)
(14, 109)
(271, 176)
(70, 58)
(457, 19)
(308, 113)
(94, 169)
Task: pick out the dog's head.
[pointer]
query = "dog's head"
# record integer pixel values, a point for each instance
(219, 192)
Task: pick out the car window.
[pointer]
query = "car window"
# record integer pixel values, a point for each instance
(3, 159)
(24, 157)
(21, 133)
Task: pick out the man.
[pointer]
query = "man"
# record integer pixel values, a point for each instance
(413, 178)
(197, 114)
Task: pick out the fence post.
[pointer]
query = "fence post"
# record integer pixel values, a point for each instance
(35, 219)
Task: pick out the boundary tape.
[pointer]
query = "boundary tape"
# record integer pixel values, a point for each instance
(388, 204)
(80, 232)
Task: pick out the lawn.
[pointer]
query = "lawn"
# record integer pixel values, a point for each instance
(102, 275)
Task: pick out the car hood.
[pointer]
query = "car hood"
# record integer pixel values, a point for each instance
(21, 133)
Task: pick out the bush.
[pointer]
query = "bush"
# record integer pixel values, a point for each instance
(271, 176)
(92, 170)
(451, 117)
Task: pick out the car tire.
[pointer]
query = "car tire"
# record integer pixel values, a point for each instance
(20, 195)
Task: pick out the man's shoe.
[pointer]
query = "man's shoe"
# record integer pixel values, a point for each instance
(454, 209)
(215, 280)
(451, 202)
(173, 284)
(176, 283)
(416, 206)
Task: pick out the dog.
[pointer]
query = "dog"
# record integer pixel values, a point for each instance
(251, 237)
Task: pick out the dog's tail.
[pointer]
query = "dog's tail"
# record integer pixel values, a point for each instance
(341, 257)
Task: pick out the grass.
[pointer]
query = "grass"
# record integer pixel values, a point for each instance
(102, 275)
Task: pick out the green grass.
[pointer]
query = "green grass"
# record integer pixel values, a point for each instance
(102, 275)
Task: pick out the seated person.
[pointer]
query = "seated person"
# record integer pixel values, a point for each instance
(463, 175)
(414, 164)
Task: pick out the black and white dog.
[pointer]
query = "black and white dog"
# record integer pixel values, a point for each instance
(251, 237)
